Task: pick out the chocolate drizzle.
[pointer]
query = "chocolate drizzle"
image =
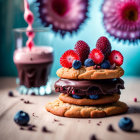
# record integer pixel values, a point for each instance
(88, 87)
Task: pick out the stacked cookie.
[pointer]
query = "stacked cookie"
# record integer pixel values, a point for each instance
(89, 82)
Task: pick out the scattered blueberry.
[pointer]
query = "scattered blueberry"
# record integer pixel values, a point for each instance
(105, 65)
(94, 96)
(89, 62)
(76, 96)
(76, 64)
(21, 118)
(126, 124)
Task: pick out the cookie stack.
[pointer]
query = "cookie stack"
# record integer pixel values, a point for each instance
(89, 82)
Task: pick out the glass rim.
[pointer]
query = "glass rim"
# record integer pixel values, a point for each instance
(23, 30)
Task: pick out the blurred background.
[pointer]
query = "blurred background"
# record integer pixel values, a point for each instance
(11, 13)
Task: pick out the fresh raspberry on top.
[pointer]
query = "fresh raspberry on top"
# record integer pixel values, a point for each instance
(104, 45)
(82, 49)
(116, 58)
(97, 56)
(67, 58)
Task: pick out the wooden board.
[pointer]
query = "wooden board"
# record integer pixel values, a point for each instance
(64, 128)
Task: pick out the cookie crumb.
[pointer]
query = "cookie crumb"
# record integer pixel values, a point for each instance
(56, 120)
(135, 99)
(10, 94)
(93, 137)
(44, 129)
(27, 102)
(110, 128)
(21, 128)
(33, 114)
(89, 121)
(60, 124)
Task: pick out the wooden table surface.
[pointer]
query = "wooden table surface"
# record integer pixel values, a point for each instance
(64, 128)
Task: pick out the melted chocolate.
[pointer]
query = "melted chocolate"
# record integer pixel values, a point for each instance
(89, 87)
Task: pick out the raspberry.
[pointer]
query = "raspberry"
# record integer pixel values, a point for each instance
(82, 49)
(67, 58)
(104, 45)
(97, 56)
(116, 58)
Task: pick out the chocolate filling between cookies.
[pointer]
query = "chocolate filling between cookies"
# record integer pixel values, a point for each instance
(89, 87)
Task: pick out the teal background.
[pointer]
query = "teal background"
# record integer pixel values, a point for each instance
(11, 13)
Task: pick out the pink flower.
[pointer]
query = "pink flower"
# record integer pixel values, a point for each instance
(122, 19)
(63, 15)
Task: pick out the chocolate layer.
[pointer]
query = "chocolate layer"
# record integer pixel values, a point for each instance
(89, 87)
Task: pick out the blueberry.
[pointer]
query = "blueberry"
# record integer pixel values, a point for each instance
(21, 118)
(76, 64)
(94, 96)
(76, 96)
(126, 124)
(105, 65)
(89, 62)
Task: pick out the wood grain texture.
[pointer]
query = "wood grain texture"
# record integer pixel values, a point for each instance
(64, 128)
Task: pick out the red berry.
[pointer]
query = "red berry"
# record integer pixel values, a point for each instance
(104, 45)
(97, 56)
(82, 49)
(116, 57)
(135, 99)
(68, 57)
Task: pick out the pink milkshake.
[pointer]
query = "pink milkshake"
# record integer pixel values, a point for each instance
(33, 62)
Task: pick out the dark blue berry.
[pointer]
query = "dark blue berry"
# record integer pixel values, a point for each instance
(89, 62)
(76, 96)
(76, 64)
(105, 65)
(126, 124)
(21, 118)
(10, 93)
(94, 96)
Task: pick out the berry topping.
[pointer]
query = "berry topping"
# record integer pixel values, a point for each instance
(67, 58)
(104, 45)
(126, 124)
(105, 65)
(21, 118)
(76, 96)
(94, 97)
(116, 57)
(82, 49)
(76, 64)
(89, 62)
(97, 56)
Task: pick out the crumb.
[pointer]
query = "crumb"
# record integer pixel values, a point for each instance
(135, 99)
(110, 128)
(31, 59)
(89, 121)
(22, 99)
(10, 94)
(60, 124)
(93, 137)
(98, 124)
(44, 129)
(21, 128)
(34, 115)
(30, 128)
(100, 121)
(56, 120)
(27, 102)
